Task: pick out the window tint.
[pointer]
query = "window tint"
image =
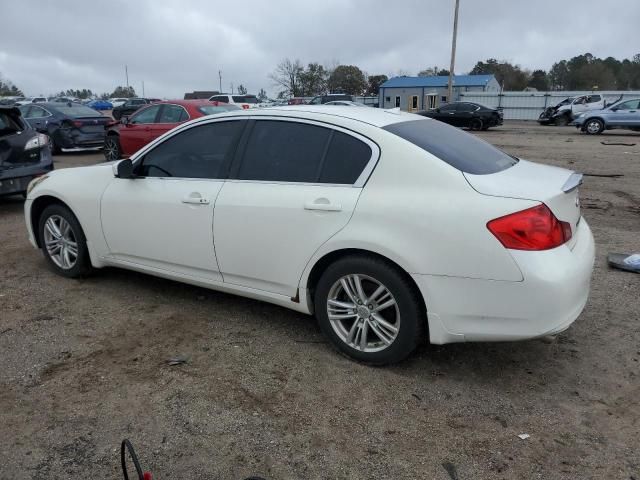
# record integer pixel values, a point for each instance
(461, 150)
(173, 114)
(283, 151)
(199, 152)
(148, 115)
(8, 125)
(245, 99)
(316, 101)
(451, 107)
(346, 158)
(220, 98)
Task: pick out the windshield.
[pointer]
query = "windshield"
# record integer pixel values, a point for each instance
(75, 110)
(212, 109)
(461, 150)
(245, 99)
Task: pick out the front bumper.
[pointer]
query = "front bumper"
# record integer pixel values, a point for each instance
(552, 295)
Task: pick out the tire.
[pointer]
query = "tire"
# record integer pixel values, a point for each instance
(593, 126)
(61, 263)
(112, 150)
(406, 316)
(53, 146)
(562, 121)
(476, 124)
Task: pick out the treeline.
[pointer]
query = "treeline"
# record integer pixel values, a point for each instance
(583, 72)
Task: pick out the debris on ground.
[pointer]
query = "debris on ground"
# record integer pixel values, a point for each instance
(618, 143)
(605, 175)
(178, 360)
(625, 261)
(523, 436)
(451, 470)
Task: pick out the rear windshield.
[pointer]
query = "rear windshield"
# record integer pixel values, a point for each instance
(75, 110)
(461, 150)
(211, 109)
(9, 124)
(245, 99)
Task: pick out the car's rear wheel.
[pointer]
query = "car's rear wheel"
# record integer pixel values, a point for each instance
(369, 310)
(594, 126)
(476, 124)
(112, 149)
(63, 242)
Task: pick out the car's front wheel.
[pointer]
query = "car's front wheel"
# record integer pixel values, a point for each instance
(594, 126)
(476, 124)
(112, 149)
(63, 242)
(369, 310)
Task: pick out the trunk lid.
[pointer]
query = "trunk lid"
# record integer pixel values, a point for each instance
(556, 187)
(14, 135)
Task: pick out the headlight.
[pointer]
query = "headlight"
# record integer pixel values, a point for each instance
(35, 182)
(40, 140)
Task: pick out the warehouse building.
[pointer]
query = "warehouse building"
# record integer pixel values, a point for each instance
(421, 93)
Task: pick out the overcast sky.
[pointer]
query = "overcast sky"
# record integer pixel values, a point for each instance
(179, 45)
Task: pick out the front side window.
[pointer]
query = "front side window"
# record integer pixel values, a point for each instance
(459, 149)
(203, 151)
(282, 151)
(629, 105)
(148, 115)
(245, 99)
(219, 98)
(173, 114)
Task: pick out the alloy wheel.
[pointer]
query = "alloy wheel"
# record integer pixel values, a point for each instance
(363, 313)
(111, 149)
(60, 241)
(593, 126)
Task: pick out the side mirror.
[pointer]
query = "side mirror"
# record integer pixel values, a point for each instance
(124, 120)
(123, 169)
(614, 109)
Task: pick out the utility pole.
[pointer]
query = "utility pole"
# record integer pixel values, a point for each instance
(232, 89)
(143, 88)
(220, 77)
(126, 74)
(453, 53)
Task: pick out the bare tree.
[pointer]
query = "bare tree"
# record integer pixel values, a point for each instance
(287, 76)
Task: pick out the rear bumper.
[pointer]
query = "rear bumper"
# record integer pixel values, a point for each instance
(552, 295)
(16, 180)
(76, 139)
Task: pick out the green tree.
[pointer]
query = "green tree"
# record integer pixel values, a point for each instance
(512, 77)
(432, 72)
(262, 95)
(374, 82)
(8, 89)
(242, 90)
(123, 92)
(538, 80)
(313, 80)
(348, 79)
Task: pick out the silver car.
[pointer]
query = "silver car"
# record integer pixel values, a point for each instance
(622, 114)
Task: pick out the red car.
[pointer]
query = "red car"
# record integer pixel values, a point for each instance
(130, 134)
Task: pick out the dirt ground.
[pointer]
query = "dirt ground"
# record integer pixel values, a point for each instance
(83, 365)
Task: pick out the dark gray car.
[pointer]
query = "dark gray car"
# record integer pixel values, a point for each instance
(24, 153)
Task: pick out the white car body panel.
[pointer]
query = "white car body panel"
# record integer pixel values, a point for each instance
(258, 240)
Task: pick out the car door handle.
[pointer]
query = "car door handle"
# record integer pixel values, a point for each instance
(323, 204)
(195, 198)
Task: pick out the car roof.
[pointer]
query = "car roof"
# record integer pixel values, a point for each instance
(373, 116)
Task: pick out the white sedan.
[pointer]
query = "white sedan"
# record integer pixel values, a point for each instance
(389, 227)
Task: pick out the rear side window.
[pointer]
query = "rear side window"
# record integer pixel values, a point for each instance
(173, 114)
(245, 99)
(346, 158)
(211, 109)
(461, 150)
(9, 124)
(199, 152)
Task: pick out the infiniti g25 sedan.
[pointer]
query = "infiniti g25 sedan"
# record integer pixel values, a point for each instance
(389, 227)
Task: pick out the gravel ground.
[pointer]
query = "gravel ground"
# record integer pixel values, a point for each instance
(84, 365)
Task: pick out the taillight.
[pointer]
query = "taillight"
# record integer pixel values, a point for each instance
(77, 123)
(535, 228)
(245, 106)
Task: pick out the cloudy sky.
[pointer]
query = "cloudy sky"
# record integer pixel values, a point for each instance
(179, 45)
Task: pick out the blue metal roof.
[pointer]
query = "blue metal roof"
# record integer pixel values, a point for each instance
(438, 81)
